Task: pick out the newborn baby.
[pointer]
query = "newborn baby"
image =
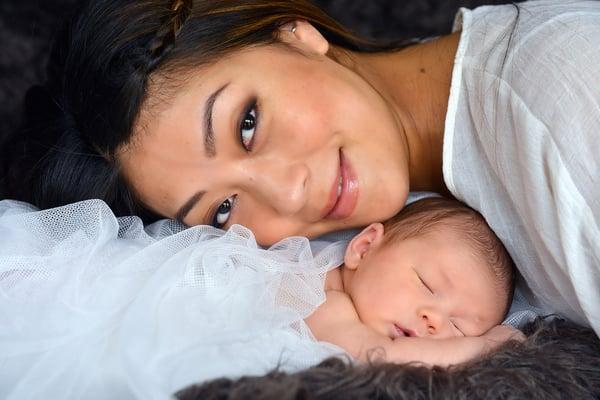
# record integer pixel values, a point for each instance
(430, 285)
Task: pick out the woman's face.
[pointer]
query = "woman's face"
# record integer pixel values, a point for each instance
(281, 142)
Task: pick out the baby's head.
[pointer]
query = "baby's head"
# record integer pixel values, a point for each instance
(434, 270)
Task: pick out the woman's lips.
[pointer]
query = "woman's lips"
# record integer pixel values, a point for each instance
(343, 195)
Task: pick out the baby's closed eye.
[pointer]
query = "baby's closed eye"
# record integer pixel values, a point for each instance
(456, 328)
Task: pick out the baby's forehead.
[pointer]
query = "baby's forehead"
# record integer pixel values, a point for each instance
(447, 240)
(438, 231)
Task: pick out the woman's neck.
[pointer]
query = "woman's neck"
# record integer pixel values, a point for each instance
(415, 82)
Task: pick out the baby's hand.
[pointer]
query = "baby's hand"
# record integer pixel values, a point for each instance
(500, 334)
(452, 350)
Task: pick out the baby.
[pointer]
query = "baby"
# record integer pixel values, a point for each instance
(430, 285)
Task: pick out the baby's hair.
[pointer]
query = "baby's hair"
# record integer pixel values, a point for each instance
(425, 215)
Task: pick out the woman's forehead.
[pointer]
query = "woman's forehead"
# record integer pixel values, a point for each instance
(172, 86)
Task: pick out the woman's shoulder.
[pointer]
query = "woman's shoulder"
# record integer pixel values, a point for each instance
(528, 14)
(519, 83)
(494, 32)
(538, 53)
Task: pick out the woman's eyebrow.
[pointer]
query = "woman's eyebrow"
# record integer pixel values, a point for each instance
(209, 149)
(188, 205)
(209, 133)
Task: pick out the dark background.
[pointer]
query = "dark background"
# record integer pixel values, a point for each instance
(27, 27)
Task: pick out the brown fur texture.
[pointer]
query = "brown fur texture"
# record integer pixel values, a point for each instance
(559, 360)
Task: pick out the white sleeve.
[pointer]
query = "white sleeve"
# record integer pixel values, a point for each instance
(522, 142)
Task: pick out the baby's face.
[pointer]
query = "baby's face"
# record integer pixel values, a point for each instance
(432, 285)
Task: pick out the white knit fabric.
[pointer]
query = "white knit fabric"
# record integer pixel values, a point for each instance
(96, 307)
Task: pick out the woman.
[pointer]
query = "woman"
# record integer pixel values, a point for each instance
(270, 115)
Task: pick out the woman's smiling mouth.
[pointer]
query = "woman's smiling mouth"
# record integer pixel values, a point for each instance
(343, 194)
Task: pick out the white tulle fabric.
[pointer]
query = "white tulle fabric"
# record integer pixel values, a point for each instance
(97, 307)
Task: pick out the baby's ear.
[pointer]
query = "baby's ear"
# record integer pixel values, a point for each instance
(368, 240)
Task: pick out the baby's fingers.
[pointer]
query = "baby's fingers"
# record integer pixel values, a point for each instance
(502, 333)
(517, 335)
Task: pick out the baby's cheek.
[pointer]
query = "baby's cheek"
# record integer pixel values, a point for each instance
(501, 310)
(367, 304)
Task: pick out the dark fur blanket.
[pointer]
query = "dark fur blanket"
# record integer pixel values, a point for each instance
(559, 360)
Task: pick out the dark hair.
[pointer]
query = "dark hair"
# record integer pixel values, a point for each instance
(427, 214)
(98, 78)
(559, 360)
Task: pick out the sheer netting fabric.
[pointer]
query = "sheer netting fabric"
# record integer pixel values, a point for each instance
(97, 307)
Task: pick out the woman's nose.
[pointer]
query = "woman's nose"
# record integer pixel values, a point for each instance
(435, 322)
(281, 185)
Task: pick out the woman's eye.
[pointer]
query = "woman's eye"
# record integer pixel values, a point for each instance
(223, 212)
(248, 127)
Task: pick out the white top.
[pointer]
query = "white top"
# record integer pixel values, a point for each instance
(522, 142)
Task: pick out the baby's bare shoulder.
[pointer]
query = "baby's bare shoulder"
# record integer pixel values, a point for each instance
(337, 310)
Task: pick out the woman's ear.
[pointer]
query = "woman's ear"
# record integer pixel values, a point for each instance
(304, 36)
(368, 240)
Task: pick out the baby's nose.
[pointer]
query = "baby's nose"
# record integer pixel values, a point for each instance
(435, 323)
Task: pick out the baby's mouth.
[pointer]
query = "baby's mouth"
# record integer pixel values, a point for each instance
(404, 332)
